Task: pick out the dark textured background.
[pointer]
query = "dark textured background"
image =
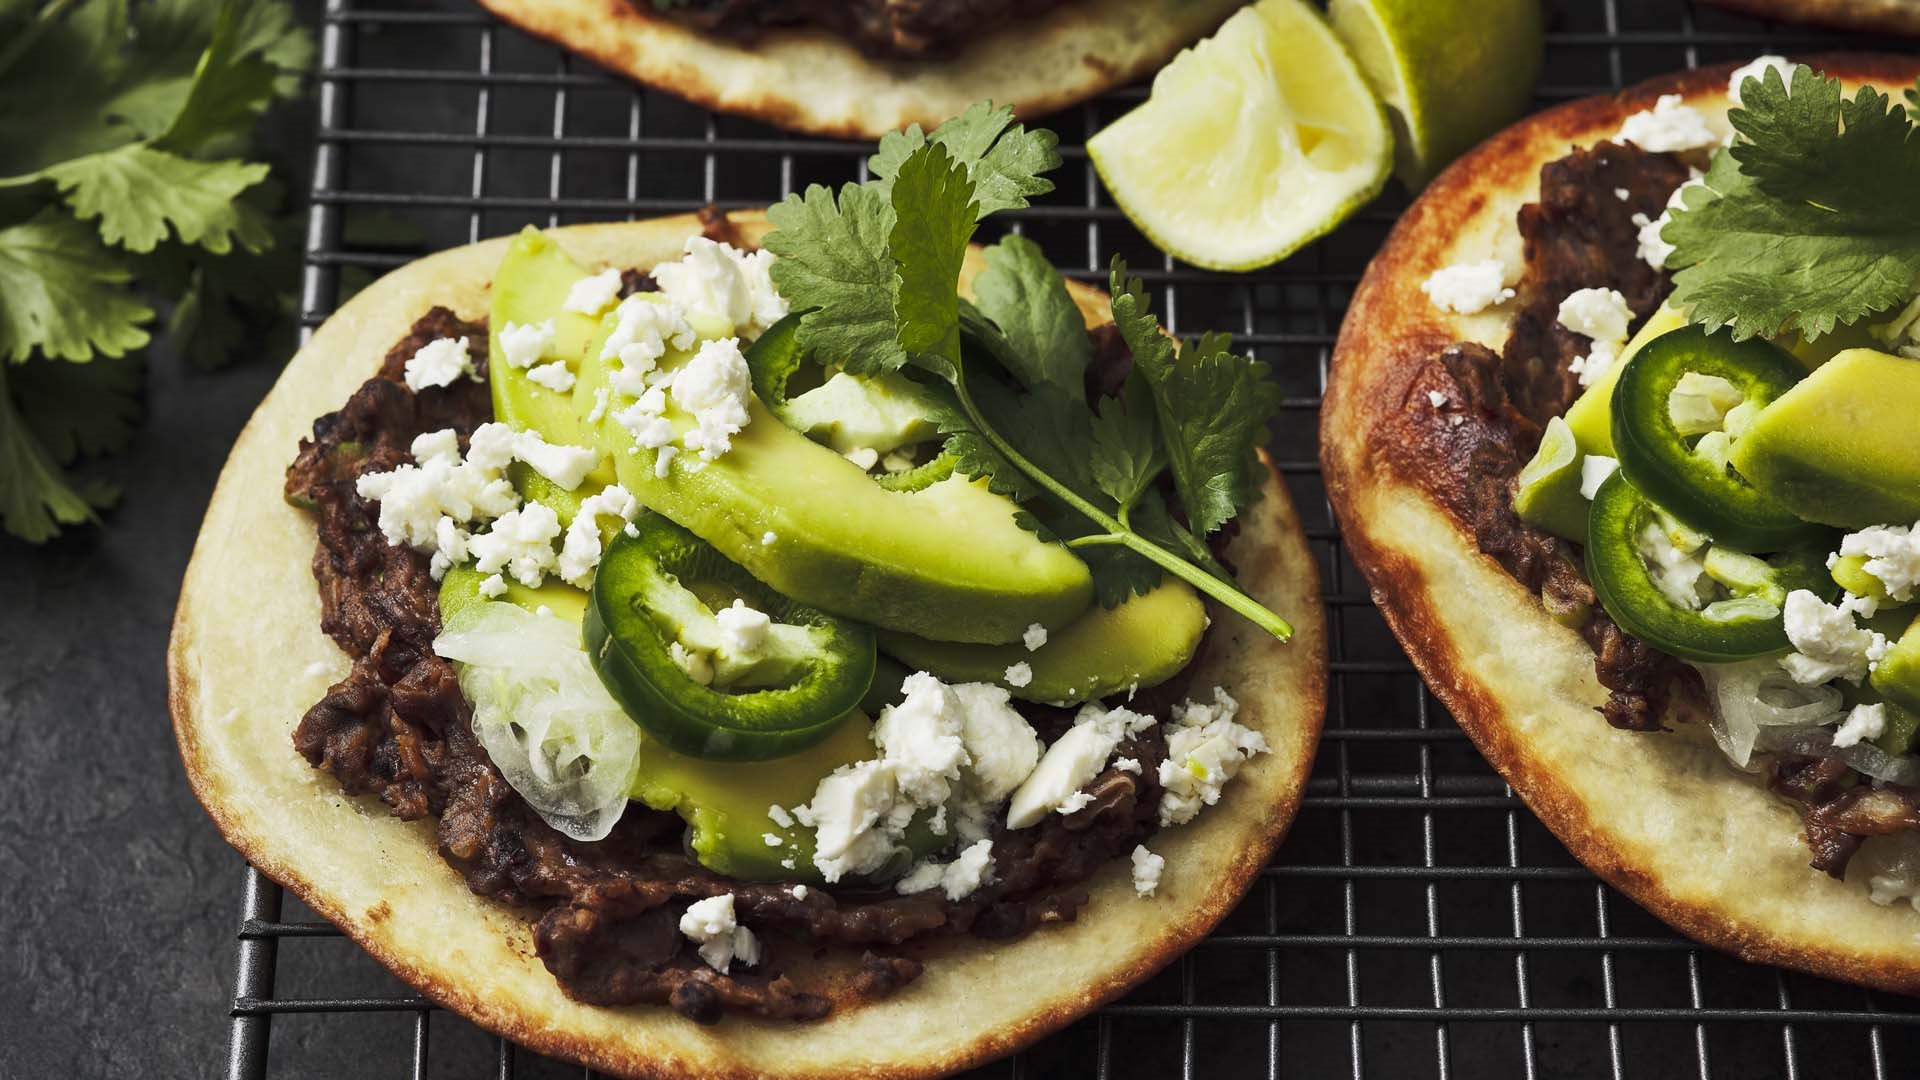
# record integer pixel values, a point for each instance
(118, 901)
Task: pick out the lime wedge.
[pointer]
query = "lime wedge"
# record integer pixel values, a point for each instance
(1252, 143)
(1452, 71)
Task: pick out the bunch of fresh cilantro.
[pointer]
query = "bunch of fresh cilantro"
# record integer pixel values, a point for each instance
(125, 129)
(876, 274)
(1810, 220)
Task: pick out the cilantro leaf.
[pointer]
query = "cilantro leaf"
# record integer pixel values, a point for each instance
(1809, 221)
(36, 495)
(835, 259)
(64, 294)
(137, 192)
(932, 201)
(974, 456)
(76, 409)
(1212, 408)
(1005, 160)
(1027, 300)
(231, 87)
(1123, 447)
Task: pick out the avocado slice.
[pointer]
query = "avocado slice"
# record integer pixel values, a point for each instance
(724, 803)
(1838, 448)
(851, 412)
(530, 287)
(1591, 415)
(1898, 674)
(947, 561)
(1139, 643)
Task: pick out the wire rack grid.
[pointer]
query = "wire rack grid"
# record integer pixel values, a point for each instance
(1418, 921)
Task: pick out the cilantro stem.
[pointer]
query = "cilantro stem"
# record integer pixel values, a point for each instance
(1095, 540)
(1118, 533)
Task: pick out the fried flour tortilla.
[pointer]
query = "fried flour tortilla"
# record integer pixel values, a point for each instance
(248, 657)
(811, 80)
(1661, 816)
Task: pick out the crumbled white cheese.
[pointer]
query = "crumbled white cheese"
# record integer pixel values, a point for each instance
(710, 923)
(1019, 674)
(1034, 637)
(771, 839)
(580, 551)
(958, 879)
(1001, 746)
(520, 543)
(1146, 870)
(866, 457)
(1893, 556)
(779, 816)
(649, 429)
(767, 538)
(799, 892)
(565, 465)
(1075, 758)
(743, 630)
(1757, 69)
(715, 387)
(1828, 644)
(1205, 748)
(1437, 399)
(698, 665)
(1650, 246)
(1865, 722)
(1671, 125)
(493, 587)
(428, 502)
(1468, 288)
(1127, 764)
(717, 281)
(1594, 470)
(438, 363)
(853, 815)
(594, 293)
(1602, 315)
(554, 376)
(643, 330)
(1074, 803)
(601, 398)
(954, 750)
(662, 460)
(1699, 403)
(1622, 194)
(524, 345)
(1679, 574)
(925, 875)
(922, 739)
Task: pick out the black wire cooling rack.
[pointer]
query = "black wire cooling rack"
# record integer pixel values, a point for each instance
(1418, 922)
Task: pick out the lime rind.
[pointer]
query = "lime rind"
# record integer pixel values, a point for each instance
(1451, 72)
(1252, 143)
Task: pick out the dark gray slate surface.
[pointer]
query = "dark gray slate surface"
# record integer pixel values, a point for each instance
(117, 900)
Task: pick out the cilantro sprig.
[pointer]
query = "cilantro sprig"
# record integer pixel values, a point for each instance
(125, 192)
(876, 272)
(1809, 220)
